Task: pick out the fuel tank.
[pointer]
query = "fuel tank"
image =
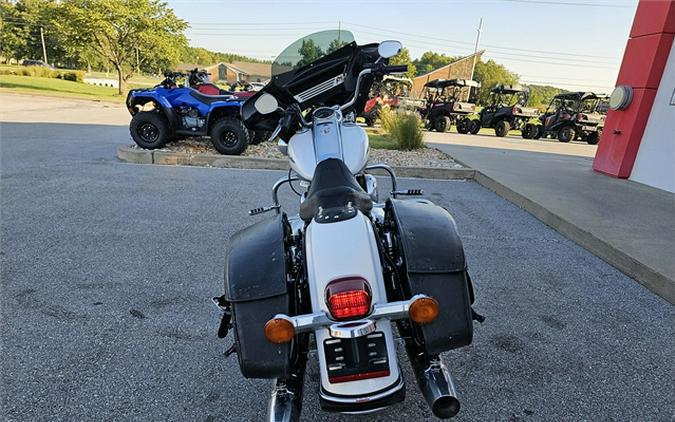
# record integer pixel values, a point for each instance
(346, 141)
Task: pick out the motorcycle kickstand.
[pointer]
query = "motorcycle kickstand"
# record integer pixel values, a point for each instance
(286, 400)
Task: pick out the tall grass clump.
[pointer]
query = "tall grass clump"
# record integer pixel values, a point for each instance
(403, 127)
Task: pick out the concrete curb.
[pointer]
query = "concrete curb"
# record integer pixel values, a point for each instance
(140, 156)
(640, 272)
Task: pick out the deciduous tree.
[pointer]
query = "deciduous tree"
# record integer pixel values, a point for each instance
(491, 74)
(125, 33)
(404, 58)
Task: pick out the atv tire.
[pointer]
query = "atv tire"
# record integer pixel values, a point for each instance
(463, 126)
(149, 130)
(526, 132)
(442, 124)
(593, 138)
(474, 127)
(370, 122)
(229, 136)
(566, 134)
(502, 129)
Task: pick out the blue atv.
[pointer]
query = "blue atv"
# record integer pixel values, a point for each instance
(170, 112)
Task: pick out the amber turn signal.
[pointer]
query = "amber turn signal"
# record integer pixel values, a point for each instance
(423, 310)
(279, 330)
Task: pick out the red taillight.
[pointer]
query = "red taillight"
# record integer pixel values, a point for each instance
(348, 298)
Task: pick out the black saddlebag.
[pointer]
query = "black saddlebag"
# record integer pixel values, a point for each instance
(434, 265)
(257, 289)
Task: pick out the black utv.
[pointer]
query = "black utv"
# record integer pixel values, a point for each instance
(572, 116)
(507, 110)
(444, 105)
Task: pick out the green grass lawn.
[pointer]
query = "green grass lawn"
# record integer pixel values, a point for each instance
(379, 141)
(58, 87)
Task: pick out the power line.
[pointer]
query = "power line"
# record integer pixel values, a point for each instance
(387, 31)
(570, 3)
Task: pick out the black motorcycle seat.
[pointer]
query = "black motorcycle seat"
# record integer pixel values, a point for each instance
(208, 99)
(334, 186)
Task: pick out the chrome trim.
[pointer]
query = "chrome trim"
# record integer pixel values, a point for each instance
(351, 102)
(363, 399)
(352, 329)
(312, 322)
(319, 89)
(392, 175)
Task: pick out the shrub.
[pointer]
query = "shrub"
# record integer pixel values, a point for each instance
(404, 128)
(45, 72)
(72, 75)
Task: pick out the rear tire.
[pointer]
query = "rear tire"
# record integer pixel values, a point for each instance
(502, 129)
(537, 131)
(594, 138)
(229, 136)
(463, 126)
(566, 134)
(149, 129)
(442, 124)
(526, 132)
(474, 127)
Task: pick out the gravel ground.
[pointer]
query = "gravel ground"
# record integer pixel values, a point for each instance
(106, 270)
(426, 157)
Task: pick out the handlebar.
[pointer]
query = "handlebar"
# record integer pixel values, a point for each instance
(396, 68)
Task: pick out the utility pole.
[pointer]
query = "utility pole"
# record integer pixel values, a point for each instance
(339, 31)
(44, 49)
(475, 50)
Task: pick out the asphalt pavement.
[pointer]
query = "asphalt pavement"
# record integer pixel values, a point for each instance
(107, 270)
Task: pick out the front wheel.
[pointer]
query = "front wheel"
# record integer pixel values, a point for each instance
(526, 132)
(442, 124)
(502, 129)
(149, 129)
(566, 134)
(229, 136)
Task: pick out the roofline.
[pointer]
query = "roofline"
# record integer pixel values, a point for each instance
(477, 53)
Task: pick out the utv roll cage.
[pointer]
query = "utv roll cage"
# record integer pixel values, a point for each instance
(444, 105)
(510, 95)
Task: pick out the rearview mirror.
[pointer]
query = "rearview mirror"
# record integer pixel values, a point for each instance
(266, 104)
(389, 48)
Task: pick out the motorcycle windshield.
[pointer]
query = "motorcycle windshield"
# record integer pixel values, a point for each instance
(309, 49)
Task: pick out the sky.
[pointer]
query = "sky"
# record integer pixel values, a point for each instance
(572, 44)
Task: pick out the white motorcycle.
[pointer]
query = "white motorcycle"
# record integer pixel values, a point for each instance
(348, 265)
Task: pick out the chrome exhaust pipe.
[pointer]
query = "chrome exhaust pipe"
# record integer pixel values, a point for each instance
(286, 401)
(435, 383)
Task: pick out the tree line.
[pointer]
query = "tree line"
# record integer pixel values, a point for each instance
(129, 36)
(132, 36)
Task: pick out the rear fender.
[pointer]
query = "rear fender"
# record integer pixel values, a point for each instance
(347, 248)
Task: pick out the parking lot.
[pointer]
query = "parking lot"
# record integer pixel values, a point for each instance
(108, 268)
